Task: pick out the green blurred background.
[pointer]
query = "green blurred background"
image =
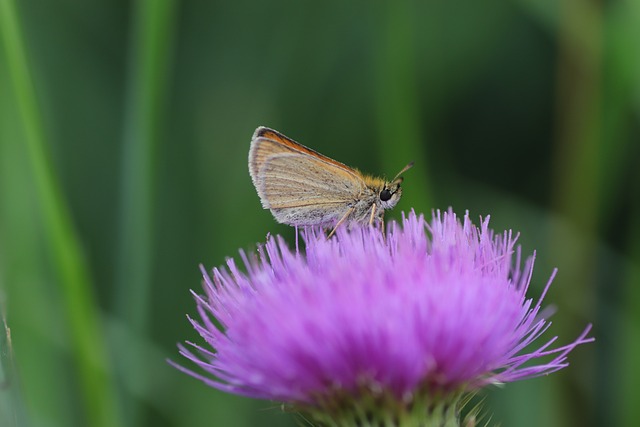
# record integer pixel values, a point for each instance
(124, 132)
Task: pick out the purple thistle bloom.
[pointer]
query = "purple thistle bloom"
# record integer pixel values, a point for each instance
(430, 309)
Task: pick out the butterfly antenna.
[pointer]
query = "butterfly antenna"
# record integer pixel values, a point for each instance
(404, 169)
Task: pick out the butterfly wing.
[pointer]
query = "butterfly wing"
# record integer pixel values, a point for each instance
(299, 185)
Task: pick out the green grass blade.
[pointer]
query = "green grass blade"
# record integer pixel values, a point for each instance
(578, 179)
(148, 82)
(397, 103)
(88, 347)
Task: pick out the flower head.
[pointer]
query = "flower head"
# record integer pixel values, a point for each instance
(429, 309)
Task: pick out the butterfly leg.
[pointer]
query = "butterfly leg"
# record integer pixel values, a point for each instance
(372, 217)
(373, 214)
(343, 219)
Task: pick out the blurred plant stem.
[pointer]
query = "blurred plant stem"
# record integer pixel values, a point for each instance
(397, 103)
(578, 167)
(83, 315)
(624, 36)
(626, 403)
(11, 405)
(579, 115)
(151, 36)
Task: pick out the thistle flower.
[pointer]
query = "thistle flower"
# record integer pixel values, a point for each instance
(394, 329)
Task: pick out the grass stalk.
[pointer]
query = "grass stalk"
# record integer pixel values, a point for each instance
(397, 101)
(149, 60)
(83, 315)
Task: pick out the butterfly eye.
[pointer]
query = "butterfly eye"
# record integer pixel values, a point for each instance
(385, 195)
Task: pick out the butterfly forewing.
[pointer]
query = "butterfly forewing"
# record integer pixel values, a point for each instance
(287, 174)
(267, 142)
(293, 180)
